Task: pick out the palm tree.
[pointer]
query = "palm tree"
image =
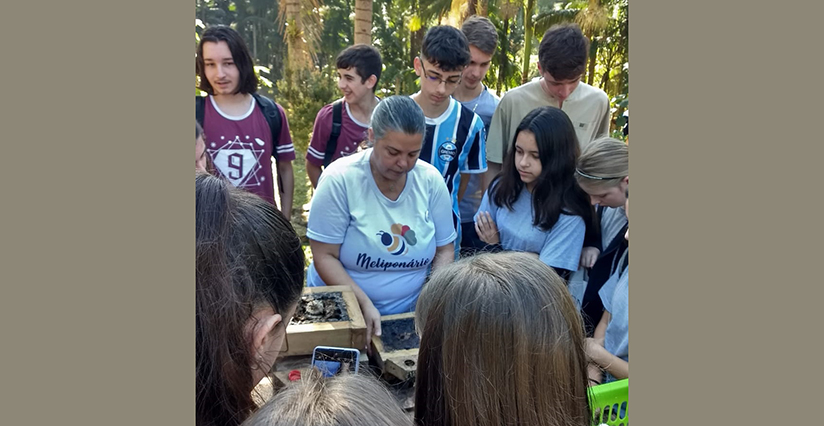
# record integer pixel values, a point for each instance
(529, 34)
(363, 22)
(300, 24)
(593, 21)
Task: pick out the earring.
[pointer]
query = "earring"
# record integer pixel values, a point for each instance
(256, 366)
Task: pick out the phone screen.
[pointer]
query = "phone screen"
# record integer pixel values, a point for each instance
(332, 361)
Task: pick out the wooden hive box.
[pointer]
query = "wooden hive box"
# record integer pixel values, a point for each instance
(302, 338)
(398, 345)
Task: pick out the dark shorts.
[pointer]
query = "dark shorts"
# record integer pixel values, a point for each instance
(470, 243)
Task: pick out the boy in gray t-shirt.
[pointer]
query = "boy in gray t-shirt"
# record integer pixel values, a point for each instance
(473, 94)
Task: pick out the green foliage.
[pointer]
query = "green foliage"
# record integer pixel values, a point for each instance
(562, 14)
(303, 101)
(393, 26)
(504, 72)
(391, 34)
(338, 31)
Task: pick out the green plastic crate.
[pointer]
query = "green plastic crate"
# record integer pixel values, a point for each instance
(610, 403)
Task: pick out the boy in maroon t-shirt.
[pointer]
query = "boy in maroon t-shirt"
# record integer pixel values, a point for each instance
(238, 136)
(359, 69)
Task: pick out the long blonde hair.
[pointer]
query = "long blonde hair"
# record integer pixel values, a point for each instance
(344, 400)
(502, 343)
(603, 163)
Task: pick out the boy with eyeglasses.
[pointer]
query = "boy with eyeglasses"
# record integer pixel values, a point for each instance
(455, 137)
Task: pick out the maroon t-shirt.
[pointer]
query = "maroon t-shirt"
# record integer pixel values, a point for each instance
(352, 135)
(241, 147)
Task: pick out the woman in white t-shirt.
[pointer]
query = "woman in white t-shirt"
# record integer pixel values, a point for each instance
(381, 218)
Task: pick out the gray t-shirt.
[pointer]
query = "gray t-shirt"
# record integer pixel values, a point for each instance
(484, 105)
(613, 220)
(560, 247)
(615, 296)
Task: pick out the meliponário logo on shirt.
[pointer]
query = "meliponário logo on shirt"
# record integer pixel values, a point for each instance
(366, 262)
(396, 241)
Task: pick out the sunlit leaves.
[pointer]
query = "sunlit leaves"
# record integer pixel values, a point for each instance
(415, 23)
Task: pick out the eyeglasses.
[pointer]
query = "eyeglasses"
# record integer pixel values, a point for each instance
(450, 82)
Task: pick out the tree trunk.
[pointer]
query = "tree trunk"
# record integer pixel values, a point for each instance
(483, 8)
(471, 9)
(363, 22)
(298, 58)
(593, 56)
(416, 43)
(607, 62)
(254, 41)
(416, 37)
(528, 9)
(504, 59)
(604, 80)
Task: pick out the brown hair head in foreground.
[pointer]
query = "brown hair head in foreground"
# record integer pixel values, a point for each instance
(502, 343)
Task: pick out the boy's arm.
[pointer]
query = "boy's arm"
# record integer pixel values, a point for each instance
(495, 140)
(287, 178)
(316, 151)
(313, 172)
(462, 188)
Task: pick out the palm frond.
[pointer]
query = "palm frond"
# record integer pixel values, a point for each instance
(546, 20)
(593, 19)
(434, 9)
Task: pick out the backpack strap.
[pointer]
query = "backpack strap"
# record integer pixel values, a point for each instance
(272, 114)
(332, 143)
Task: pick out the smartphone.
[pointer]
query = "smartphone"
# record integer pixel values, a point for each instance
(332, 361)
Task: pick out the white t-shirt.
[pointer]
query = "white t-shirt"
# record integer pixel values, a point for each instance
(386, 246)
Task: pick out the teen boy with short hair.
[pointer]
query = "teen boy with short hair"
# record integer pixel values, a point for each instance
(455, 137)
(562, 58)
(359, 69)
(473, 94)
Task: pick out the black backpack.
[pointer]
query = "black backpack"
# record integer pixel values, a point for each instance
(332, 143)
(270, 112)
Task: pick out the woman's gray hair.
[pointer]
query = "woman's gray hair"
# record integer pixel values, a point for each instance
(397, 114)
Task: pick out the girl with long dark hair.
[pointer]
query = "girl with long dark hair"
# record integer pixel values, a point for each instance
(534, 204)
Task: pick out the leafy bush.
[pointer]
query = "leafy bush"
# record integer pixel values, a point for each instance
(302, 100)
